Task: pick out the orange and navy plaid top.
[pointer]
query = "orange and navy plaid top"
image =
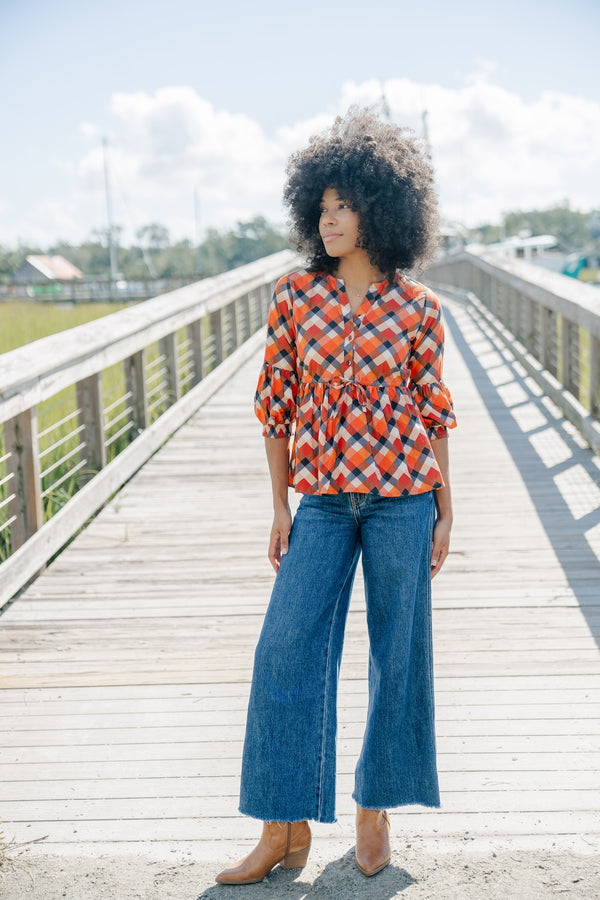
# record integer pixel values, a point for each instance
(362, 394)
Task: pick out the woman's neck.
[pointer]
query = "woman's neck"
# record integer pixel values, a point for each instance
(358, 275)
(358, 272)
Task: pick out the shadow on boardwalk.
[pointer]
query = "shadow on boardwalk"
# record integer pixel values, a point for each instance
(340, 879)
(559, 471)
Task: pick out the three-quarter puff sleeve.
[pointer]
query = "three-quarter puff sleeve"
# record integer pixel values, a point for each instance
(430, 394)
(277, 389)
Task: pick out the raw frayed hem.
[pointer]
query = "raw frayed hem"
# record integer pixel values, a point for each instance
(427, 803)
(260, 818)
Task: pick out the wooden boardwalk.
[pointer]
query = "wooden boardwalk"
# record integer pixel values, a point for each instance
(126, 665)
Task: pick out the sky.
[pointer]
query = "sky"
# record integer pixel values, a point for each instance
(201, 104)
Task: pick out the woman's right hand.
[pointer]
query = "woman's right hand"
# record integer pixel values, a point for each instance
(280, 535)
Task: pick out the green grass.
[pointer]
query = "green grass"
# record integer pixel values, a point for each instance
(27, 320)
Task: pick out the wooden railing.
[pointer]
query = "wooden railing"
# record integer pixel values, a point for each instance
(103, 290)
(82, 410)
(551, 322)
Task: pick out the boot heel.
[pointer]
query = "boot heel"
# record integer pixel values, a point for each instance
(296, 860)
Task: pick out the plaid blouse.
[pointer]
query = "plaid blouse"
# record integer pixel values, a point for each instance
(362, 393)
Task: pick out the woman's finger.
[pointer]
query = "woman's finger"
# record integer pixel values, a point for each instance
(440, 549)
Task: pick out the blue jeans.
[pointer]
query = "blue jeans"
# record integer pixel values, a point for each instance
(289, 764)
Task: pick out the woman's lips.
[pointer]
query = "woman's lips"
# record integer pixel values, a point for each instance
(330, 237)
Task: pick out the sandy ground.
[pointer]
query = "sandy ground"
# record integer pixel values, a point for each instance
(413, 875)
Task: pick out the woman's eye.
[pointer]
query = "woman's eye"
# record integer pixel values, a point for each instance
(341, 205)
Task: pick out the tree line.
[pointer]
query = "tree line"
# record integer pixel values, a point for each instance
(154, 255)
(573, 230)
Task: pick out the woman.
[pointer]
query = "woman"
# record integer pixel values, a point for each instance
(352, 369)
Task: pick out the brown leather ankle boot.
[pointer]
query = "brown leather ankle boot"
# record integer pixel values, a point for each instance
(373, 851)
(286, 843)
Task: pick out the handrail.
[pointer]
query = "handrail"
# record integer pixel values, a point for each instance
(38, 370)
(552, 323)
(113, 391)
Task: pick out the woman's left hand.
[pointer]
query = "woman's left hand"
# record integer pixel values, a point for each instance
(441, 544)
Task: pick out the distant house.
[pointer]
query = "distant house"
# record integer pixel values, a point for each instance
(525, 246)
(44, 269)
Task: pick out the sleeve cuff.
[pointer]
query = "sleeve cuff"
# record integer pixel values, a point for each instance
(436, 432)
(277, 431)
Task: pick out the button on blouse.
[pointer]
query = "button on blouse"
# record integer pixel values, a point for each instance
(362, 395)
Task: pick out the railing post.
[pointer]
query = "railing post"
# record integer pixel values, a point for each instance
(168, 348)
(233, 325)
(135, 381)
(512, 301)
(265, 296)
(216, 329)
(491, 303)
(90, 403)
(21, 442)
(594, 364)
(197, 344)
(563, 350)
(253, 311)
(529, 326)
(244, 320)
(465, 272)
(573, 374)
(548, 340)
(585, 385)
(540, 332)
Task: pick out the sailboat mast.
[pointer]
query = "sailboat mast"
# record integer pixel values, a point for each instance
(112, 250)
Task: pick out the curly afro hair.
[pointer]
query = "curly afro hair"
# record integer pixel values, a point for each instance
(386, 177)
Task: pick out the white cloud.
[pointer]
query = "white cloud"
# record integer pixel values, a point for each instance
(291, 137)
(493, 151)
(167, 145)
(90, 131)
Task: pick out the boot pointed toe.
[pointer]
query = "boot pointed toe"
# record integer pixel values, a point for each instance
(373, 852)
(286, 843)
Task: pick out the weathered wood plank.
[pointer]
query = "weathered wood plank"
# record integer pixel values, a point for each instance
(550, 825)
(566, 716)
(467, 770)
(581, 731)
(72, 809)
(87, 748)
(124, 786)
(576, 656)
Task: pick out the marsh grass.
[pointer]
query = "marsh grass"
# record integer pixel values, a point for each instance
(8, 847)
(27, 320)
(62, 448)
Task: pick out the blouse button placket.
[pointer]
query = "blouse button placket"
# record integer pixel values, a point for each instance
(348, 337)
(349, 354)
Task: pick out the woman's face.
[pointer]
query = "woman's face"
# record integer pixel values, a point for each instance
(338, 225)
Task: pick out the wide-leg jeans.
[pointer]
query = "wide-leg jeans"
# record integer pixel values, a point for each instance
(289, 760)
